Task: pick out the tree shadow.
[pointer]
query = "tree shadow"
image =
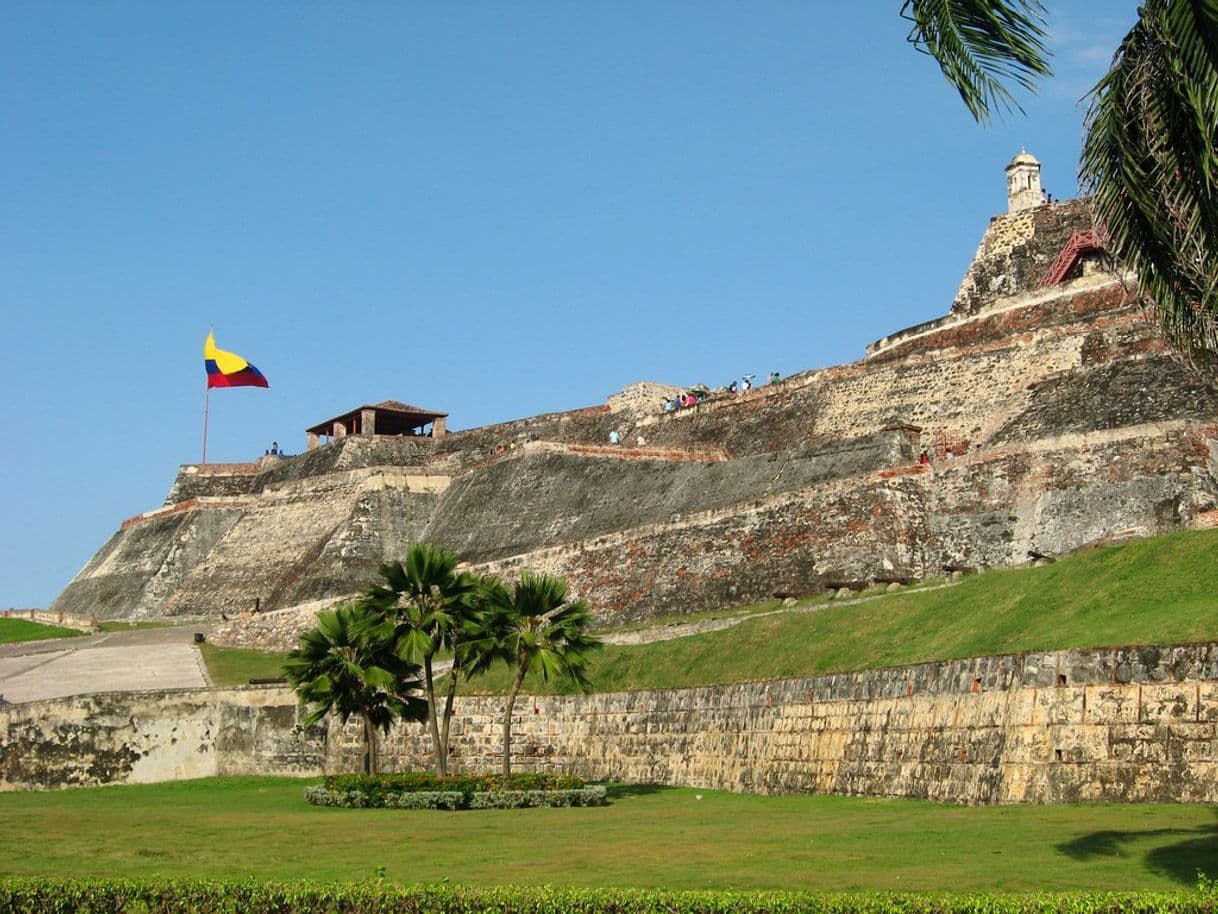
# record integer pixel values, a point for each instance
(1181, 861)
(615, 791)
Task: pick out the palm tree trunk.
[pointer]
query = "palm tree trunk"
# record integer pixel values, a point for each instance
(370, 760)
(507, 720)
(454, 673)
(429, 684)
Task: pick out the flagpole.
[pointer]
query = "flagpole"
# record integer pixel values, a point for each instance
(206, 404)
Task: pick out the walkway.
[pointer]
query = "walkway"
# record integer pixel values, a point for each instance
(155, 658)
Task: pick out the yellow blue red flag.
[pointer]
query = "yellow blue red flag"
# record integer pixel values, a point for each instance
(227, 369)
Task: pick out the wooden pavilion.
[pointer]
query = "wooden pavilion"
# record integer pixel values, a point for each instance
(389, 417)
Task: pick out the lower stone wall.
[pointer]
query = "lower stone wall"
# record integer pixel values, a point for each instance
(148, 737)
(1127, 724)
(1119, 724)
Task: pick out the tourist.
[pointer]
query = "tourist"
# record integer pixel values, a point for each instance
(615, 437)
(775, 377)
(731, 388)
(924, 458)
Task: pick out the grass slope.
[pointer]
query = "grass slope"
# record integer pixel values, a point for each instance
(646, 837)
(1156, 590)
(1151, 591)
(228, 666)
(13, 630)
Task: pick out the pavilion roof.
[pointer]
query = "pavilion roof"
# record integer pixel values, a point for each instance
(404, 413)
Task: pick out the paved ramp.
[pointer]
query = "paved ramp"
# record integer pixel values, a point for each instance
(161, 658)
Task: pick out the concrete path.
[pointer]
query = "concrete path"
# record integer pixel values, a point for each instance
(155, 658)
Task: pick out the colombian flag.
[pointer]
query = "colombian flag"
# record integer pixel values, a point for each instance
(227, 369)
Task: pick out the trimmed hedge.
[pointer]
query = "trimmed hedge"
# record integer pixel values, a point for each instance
(414, 781)
(455, 799)
(378, 790)
(128, 896)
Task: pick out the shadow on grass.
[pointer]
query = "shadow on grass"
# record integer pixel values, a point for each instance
(1196, 852)
(615, 792)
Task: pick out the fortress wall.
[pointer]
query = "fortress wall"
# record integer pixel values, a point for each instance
(1133, 724)
(463, 449)
(962, 383)
(987, 508)
(1100, 297)
(990, 509)
(1129, 724)
(213, 480)
(539, 497)
(841, 530)
(142, 565)
(149, 737)
(1016, 250)
(1109, 395)
(308, 539)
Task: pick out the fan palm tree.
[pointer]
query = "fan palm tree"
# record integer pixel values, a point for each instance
(1150, 155)
(476, 644)
(540, 632)
(347, 665)
(433, 607)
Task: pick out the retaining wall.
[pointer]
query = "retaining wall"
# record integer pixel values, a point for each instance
(1120, 724)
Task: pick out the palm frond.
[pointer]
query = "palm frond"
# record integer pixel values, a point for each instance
(981, 46)
(1150, 162)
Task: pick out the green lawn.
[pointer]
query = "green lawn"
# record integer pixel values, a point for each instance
(1151, 591)
(12, 630)
(646, 837)
(237, 666)
(130, 626)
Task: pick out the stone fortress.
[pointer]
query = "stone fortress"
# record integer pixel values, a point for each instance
(1052, 415)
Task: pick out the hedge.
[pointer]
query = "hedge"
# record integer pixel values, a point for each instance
(455, 799)
(414, 781)
(132, 896)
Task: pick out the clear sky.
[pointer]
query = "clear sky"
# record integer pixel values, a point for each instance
(488, 209)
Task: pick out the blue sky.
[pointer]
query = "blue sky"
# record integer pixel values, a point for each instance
(489, 209)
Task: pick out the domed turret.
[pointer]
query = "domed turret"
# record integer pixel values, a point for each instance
(1023, 182)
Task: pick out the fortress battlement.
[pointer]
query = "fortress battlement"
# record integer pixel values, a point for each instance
(1048, 411)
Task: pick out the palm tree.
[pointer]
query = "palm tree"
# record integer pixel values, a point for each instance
(347, 665)
(433, 607)
(1150, 155)
(540, 632)
(475, 644)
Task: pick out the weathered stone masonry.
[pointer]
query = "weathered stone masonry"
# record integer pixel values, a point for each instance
(1067, 419)
(1120, 724)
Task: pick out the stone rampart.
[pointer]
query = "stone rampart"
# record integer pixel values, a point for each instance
(1068, 418)
(46, 617)
(1114, 724)
(1131, 724)
(148, 737)
(1016, 250)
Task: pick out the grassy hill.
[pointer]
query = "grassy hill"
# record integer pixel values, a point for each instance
(1157, 590)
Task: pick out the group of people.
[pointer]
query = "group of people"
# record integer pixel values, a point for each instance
(700, 392)
(948, 454)
(615, 437)
(691, 397)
